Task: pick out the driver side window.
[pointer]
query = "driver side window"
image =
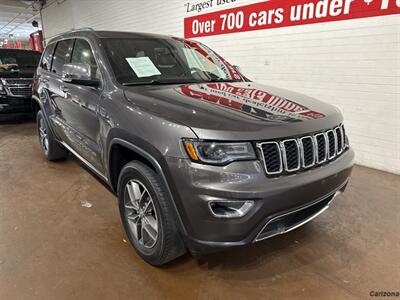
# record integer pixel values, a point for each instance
(83, 53)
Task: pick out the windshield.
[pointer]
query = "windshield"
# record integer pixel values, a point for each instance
(153, 60)
(15, 59)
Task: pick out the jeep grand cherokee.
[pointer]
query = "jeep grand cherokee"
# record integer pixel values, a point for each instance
(200, 157)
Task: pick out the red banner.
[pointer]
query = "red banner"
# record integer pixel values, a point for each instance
(278, 13)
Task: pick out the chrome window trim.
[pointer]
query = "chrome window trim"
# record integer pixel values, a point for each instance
(302, 151)
(335, 144)
(259, 146)
(283, 149)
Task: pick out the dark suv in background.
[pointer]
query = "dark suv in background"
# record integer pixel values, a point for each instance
(16, 72)
(201, 158)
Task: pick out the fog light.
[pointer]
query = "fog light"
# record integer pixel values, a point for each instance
(230, 209)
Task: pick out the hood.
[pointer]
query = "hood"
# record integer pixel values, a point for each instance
(236, 111)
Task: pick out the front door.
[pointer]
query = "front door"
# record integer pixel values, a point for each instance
(81, 108)
(76, 120)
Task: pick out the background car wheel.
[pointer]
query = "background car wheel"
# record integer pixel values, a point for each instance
(50, 147)
(147, 215)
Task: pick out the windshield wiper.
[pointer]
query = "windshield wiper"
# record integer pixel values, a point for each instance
(221, 80)
(158, 82)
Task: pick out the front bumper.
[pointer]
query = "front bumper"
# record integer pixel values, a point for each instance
(12, 108)
(198, 184)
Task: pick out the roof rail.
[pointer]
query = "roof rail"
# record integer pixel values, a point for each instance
(83, 29)
(70, 31)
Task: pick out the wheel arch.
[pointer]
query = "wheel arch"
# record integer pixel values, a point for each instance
(37, 105)
(130, 151)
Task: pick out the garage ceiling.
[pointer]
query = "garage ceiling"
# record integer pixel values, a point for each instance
(16, 18)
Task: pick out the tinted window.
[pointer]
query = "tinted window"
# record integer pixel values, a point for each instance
(47, 57)
(18, 59)
(83, 53)
(62, 55)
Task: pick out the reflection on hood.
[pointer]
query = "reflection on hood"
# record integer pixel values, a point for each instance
(255, 102)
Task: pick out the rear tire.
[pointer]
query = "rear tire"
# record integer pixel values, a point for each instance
(147, 215)
(51, 149)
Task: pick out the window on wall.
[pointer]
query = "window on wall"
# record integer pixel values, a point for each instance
(62, 55)
(83, 53)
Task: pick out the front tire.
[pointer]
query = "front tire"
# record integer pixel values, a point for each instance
(51, 149)
(147, 215)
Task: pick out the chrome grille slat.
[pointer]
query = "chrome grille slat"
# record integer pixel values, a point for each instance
(267, 149)
(345, 141)
(339, 139)
(321, 147)
(21, 91)
(332, 144)
(291, 155)
(302, 153)
(307, 151)
(17, 81)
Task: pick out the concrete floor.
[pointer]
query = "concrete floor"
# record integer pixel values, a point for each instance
(61, 238)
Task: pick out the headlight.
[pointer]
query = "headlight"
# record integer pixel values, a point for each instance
(216, 153)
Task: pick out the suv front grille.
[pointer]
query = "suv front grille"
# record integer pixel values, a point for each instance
(18, 81)
(23, 91)
(18, 87)
(298, 154)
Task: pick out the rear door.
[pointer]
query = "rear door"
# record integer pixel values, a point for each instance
(59, 99)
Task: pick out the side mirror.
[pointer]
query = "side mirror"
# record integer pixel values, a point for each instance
(78, 73)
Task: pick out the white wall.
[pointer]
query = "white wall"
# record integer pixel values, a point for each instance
(352, 64)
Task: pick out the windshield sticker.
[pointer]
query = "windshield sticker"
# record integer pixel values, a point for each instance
(255, 102)
(143, 66)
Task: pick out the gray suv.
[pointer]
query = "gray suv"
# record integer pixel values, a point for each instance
(200, 157)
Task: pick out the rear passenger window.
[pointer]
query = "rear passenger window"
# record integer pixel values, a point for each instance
(62, 55)
(47, 57)
(83, 53)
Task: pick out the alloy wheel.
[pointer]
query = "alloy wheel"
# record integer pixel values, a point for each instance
(140, 213)
(43, 136)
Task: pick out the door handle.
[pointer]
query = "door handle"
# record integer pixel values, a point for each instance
(64, 89)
